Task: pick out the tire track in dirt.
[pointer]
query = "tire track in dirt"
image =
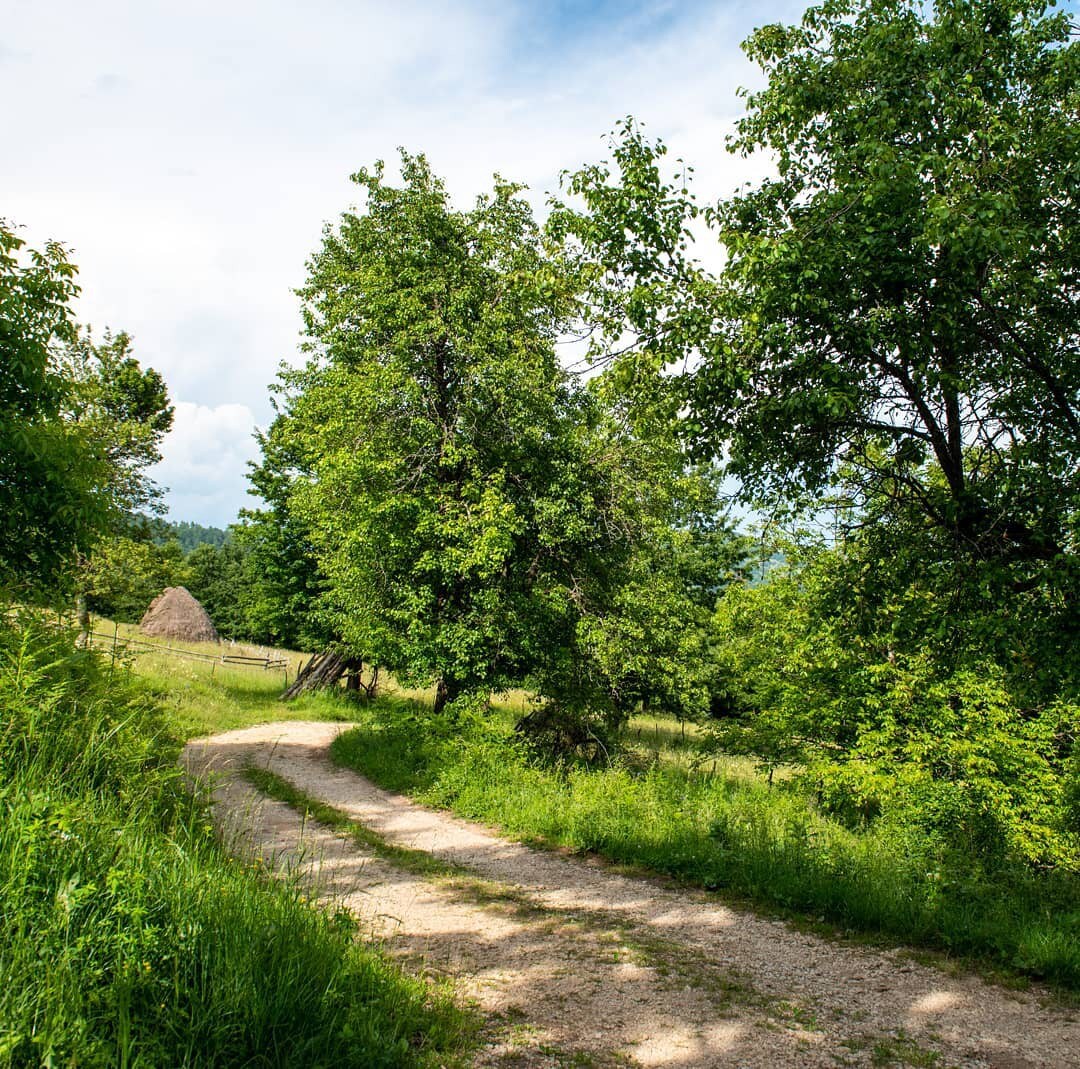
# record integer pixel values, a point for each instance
(575, 964)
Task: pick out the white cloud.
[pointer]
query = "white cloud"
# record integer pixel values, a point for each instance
(190, 155)
(205, 458)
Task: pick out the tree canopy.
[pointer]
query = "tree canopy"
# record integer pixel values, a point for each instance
(123, 411)
(80, 422)
(472, 511)
(892, 342)
(899, 305)
(190, 535)
(47, 500)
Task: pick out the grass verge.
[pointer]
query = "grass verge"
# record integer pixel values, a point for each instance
(131, 938)
(769, 845)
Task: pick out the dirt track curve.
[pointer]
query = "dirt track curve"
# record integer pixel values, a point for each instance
(575, 964)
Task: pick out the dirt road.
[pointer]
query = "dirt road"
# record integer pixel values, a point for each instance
(574, 964)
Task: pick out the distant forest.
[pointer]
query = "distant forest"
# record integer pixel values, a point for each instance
(189, 535)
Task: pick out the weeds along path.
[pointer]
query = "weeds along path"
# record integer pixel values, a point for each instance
(575, 964)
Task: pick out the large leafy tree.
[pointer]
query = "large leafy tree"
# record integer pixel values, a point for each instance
(284, 581)
(80, 422)
(123, 411)
(48, 476)
(899, 306)
(473, 512)
(893, 335)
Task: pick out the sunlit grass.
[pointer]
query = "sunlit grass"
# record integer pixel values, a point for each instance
(671, 803)
(131, 641)
(131, 937)
(715, 822)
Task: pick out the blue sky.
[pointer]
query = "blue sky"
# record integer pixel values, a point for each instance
(190, 154)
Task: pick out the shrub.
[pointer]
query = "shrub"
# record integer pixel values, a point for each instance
(937, 733)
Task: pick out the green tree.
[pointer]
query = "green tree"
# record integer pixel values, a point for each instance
(284, 582)
(909, 702)
(900, 302)
(123, 575)
(50, 502)
(123, 411)
(188, 534)
(472, 511)
(217, 576)
(79, 423)
(648, 643)
(893, 338)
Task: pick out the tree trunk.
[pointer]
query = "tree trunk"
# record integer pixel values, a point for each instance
(356, 682)
(446, 690)
(82, 620)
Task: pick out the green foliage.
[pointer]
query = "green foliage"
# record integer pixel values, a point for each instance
(456, 506)
(130, 937)
(283, 580)
(884, 688)
(897, 310)
(124, 575)
(50, 503)
(907, 287)
(79, 423)
(189, 535)
(895, 324)
(232, 577)
(433, 426)
(123, 412)
(652, 647)
(774, 845)
(756, 631)
(218, 578)
(645, 299)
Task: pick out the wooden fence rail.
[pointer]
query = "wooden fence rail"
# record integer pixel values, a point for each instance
(116, 644)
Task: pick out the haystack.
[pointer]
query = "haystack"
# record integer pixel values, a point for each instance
(174, 613)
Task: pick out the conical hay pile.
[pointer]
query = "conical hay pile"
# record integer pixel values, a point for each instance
(174, 613)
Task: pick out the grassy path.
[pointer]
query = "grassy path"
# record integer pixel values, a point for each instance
(575, 964)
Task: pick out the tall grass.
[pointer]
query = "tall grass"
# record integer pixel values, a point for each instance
(130, 936)
(200, 698)
(730, 830)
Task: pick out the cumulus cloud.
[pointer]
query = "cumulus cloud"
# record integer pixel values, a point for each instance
(205, 458)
